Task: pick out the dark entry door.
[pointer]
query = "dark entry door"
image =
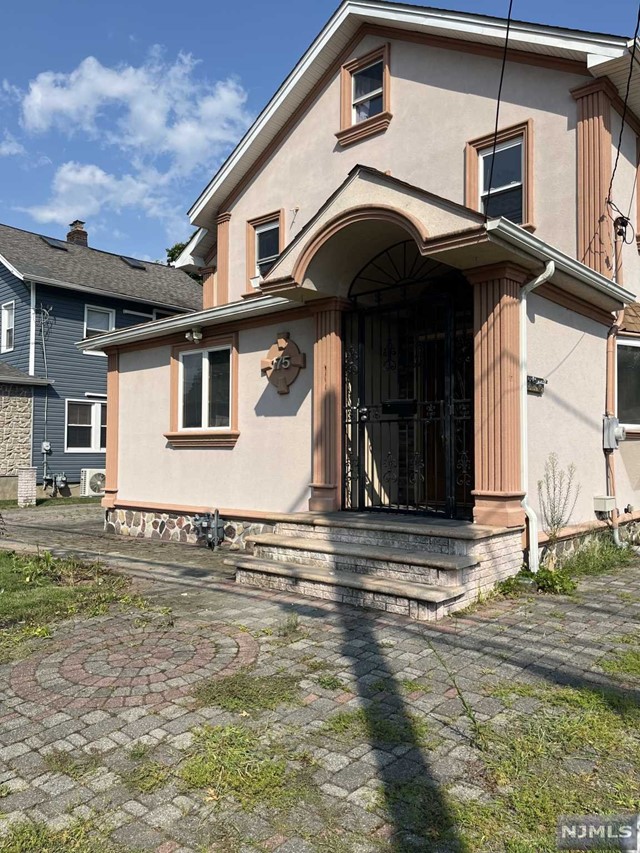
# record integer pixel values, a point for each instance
(408, 398)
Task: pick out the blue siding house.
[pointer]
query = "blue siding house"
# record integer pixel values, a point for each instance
(54, 293)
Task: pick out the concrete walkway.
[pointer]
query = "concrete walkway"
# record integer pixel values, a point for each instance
(103, 686)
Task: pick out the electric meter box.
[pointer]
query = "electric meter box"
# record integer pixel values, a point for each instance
(604, 503)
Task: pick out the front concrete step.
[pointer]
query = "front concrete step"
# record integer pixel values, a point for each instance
(421, 601)
(379, 529)
(439, 569)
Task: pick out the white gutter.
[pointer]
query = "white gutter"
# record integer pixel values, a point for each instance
(511, 236)
(233, 311)
(525, 290)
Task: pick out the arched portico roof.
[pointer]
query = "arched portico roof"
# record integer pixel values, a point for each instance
(367, 200)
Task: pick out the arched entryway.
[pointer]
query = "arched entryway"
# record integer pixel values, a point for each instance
(408, 386)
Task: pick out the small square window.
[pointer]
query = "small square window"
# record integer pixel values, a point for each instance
(98, 321)
(8, 320)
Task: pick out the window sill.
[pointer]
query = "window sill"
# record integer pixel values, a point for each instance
(369, 127)
(202, 438)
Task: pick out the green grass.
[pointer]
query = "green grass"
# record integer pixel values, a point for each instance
(578, 754)
(38, 589)
(44, 502)
(290, 630)
(233, 761)
(74, 765)
(371, 725)
(328, 681)
(80, 837)
(147, 777)
(623, 663)
(139, 751)
(598, 556)
(405, 685)
(246, 692)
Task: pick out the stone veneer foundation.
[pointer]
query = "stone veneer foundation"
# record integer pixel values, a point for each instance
(172, 527)
(16, 415)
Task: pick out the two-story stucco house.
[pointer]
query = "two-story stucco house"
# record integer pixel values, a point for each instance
(54, 293)
(403, 315)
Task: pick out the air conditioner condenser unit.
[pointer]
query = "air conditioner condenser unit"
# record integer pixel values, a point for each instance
(92, 482)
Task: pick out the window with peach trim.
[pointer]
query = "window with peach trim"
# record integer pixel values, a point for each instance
(364, 96)
(204, 394)
(265, 241)
(511, 193)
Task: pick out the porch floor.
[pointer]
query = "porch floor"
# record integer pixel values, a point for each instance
(402, 522)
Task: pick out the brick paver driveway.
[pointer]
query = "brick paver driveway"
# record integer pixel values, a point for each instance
(107, 684)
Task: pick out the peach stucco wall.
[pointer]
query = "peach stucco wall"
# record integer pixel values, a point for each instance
(270, 466)
(570, 352)
(624, 197)
(440, 99)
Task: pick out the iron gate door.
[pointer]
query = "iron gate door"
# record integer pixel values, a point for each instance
(408, 387)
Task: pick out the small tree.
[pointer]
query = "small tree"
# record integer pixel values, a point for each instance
(173, 253)
(558, 495)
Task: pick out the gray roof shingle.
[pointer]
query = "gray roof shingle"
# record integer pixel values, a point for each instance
(90, 269)
(10, 375)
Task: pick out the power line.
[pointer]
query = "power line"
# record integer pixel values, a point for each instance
(495, 133)
(624, 109)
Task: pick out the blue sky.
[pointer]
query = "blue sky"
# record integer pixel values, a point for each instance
(119, 112)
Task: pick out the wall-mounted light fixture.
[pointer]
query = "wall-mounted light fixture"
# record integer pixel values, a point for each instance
(194, 334)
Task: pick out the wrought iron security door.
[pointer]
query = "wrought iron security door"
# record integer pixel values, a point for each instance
(408, 387)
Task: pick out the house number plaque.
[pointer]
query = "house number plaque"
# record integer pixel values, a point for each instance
(283, 363)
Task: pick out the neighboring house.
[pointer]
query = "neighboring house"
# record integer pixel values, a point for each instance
(54, 293)
(376, 294)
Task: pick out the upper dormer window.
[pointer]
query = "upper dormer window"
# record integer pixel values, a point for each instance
(367, 91)
(364, 96)
(502, 180)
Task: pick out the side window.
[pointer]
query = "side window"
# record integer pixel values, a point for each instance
(86, 426)
(7, 321)
(98, 321)
(264, 243)
(629, 383)
(205, 380)
(501, 181)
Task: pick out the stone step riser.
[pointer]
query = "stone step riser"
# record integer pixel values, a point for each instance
(378, 538)
(375, 568)
(418, 610)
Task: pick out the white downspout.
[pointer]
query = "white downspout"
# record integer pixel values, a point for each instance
(525, 290)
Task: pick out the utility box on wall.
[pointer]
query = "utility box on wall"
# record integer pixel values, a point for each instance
(604, 503)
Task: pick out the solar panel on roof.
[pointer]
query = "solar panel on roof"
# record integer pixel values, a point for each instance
(133, 262)
(56, 244)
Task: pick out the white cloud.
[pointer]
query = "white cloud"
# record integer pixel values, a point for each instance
(85, 190)
(161, 119)
(155, 109)
(9, 146)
